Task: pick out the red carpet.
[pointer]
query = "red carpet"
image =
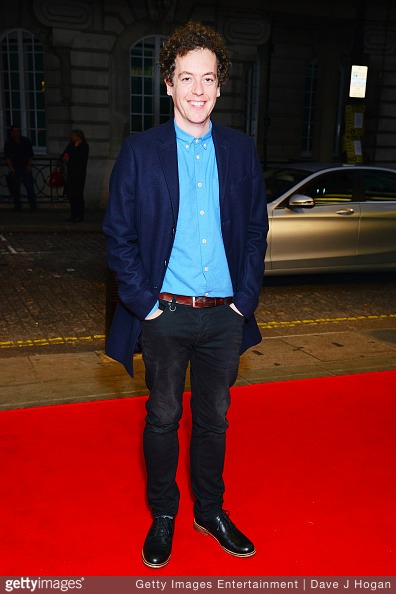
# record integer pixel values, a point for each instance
(311, 479)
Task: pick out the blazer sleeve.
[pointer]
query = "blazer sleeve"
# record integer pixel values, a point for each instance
(244, 217)
(121, 235)
(250, 278)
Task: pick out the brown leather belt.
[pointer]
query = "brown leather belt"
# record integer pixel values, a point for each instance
(195, 301)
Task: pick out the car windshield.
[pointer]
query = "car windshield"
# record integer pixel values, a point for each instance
(280, 180)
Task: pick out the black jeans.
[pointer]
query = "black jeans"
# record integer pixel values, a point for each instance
(209, 340)
(14, 181)
(77, 206)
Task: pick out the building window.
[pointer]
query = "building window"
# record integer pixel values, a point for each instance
(252, 77)
(22, 86)
(340, 112)
(150, 104)
(309, 108)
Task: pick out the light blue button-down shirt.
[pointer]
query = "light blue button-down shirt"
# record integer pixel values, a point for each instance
(198, 264)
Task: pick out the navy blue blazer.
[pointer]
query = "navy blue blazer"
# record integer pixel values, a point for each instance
(141, 217)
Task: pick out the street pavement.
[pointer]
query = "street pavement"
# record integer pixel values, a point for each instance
(55, 302)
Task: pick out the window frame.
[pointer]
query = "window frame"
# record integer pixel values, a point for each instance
(308, 114)
(252, 87)
(157, 96)
(21, 87)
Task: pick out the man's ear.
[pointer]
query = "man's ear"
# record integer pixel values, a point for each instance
(218, 91)
(169, 86)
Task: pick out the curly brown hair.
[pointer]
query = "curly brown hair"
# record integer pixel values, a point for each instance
(189, 37)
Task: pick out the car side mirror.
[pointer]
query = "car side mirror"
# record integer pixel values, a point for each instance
(300, 201)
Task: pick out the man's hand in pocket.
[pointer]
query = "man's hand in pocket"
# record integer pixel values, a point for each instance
(156, 314)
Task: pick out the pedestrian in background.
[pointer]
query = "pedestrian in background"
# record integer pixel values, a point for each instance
(75, 156)
(186, 225)
(18, 154)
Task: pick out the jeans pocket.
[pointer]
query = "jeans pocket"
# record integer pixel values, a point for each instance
(156, 319)
(235, 313)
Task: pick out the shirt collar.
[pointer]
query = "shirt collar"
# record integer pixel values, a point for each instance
(187, 140)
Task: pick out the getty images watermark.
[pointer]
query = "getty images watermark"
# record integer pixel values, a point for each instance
(42, 584)
(129, 584)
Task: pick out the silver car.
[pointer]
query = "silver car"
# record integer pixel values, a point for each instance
(330, 218)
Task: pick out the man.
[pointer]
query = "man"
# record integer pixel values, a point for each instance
(75, 156)
(186, 227)
(18, 154)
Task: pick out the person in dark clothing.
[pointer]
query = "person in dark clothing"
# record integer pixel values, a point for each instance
(75, 156)
(18, 154)
(185, 229)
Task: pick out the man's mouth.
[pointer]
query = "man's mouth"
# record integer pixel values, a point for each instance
(197, 103)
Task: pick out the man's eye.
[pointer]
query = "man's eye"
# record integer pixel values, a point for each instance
(209, 80)
(186, 79)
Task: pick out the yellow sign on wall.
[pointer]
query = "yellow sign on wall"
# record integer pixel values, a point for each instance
(354, 120)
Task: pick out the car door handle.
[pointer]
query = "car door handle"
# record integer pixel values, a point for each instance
(345, 211)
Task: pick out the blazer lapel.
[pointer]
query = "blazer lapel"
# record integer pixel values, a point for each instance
(222, 157)
(167, 152)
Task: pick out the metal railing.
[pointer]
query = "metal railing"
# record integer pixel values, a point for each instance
(42, 168)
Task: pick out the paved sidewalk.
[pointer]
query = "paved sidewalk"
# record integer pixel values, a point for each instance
(287, 352)
(48, 218)
(37, 380)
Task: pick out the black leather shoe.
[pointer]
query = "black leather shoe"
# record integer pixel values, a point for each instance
(227, 535)
(158, 544)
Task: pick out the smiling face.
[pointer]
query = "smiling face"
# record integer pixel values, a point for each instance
(194, 90)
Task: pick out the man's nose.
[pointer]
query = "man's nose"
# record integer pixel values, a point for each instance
(197, 88)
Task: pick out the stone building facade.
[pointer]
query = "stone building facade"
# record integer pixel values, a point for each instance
(288, 89)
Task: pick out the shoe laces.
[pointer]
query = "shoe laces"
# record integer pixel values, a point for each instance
(162, 527)
(225, 516)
